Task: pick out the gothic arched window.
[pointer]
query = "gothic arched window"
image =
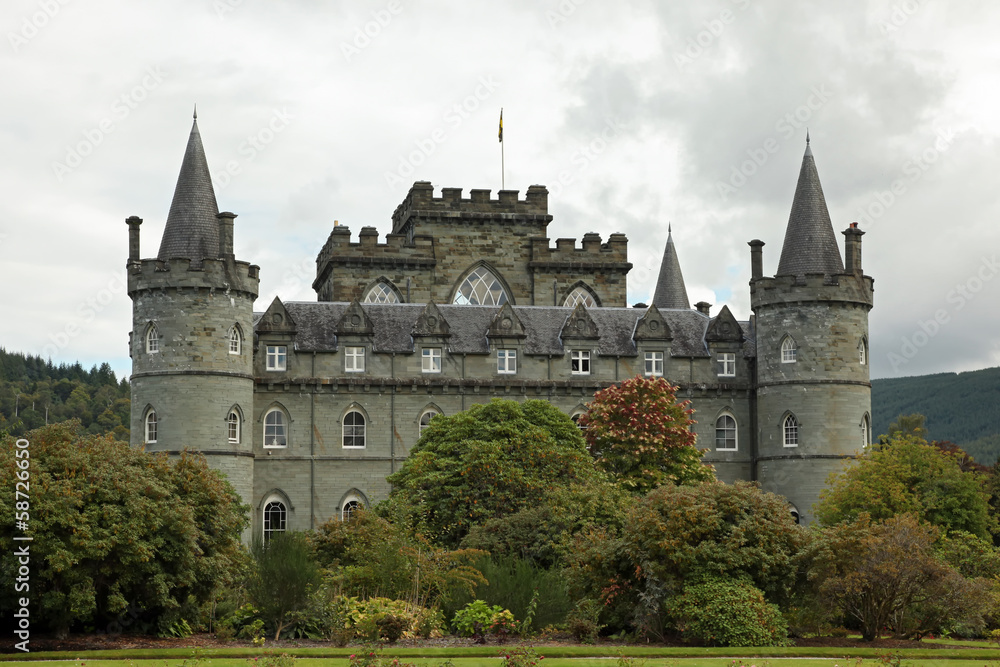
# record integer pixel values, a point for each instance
(354, 430)
(790, 431)
(481, 288)
(150, 423)
(275, 518)
(725, 432)
(580, 294)
(381, 292)
(275, 429)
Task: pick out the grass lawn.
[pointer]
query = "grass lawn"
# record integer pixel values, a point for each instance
(608, 661)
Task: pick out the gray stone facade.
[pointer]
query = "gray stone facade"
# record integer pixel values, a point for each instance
(467, 301)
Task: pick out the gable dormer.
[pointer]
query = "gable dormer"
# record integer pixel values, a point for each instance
(431, 322)
(506, 324)
(276, 319)
(579, 325)
(724, 328)
(652, 326)
(355, 321)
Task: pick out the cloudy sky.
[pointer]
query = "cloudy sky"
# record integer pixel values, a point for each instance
(634, 114)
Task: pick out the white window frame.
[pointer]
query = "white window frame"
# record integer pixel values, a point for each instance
(277, 357)
(726, 428)
(790, 431)
(233, 427)
(507, 362)
(865, 432)
(282, 418)
(430, 360)
(727, 364)
(863, 352)
(429, 414)
(579, 362)
(150, 425)
(235, 341)
(653, 364)
(152, 340)
(354, 359)
(277, 507)
(350, 506)
(789, 351)
(355, 433)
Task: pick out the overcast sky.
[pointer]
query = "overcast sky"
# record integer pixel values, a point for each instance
(634, 114)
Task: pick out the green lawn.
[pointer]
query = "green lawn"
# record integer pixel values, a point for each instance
(608, 661)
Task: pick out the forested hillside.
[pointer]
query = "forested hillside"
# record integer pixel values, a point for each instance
(961, 407)
(34, 392)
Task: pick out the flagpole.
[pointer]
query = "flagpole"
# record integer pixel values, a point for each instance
(503, 175)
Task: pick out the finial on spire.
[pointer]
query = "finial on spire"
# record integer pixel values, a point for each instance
(196, 113)
(807, 136)
(668, 228)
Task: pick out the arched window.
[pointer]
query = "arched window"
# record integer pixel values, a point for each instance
(275, 518)
(862, 352)
(866, 430)
(152, 340)
(381, 292)
(350, 509)
(788, 351)
(233, 426)
(794, 511)
(151, 426)
(580, 294)
(354, 430)
(425, 419)
(725, 432)
(790, 431)
(481, 288)
(275, 428)
(235, 340)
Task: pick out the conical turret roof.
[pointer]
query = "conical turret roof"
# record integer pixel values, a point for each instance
(810, 244)
(192, 229)
(670, 291)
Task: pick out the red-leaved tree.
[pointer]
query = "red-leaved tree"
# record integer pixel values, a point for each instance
(641, 434)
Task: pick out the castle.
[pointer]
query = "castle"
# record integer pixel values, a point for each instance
(308, 406)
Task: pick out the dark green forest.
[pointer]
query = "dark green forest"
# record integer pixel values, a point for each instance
(35, 392)
(961, 407)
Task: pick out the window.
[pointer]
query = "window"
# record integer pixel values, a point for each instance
(233, 424)
(576, 420)
(481, 288)
(725, 432)
(507, 361)
(152, 340)
(350, 509)
(654, 364)
(354, 359)
(862, 353)
(431, 359)
(381, 292)
(788, 351)
(727, 364)
(425, 420)
(275, 429)
(580, 294)
(865, 432)
(235, 341)
(580, 362)
(276, 356)
(354, 430)
(151, 426)
(275, 518)
(790, 431)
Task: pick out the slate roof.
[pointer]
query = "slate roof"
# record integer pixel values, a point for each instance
(192, 229)
(316, 324)
(810, 244)
(670, 291)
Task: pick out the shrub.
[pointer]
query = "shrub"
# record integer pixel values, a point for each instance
(720, 612)
(476, 613)
(392, 627)
(582, 621)
(522, 656)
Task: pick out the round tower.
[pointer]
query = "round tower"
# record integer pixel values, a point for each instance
(192, 332)
(812, 381)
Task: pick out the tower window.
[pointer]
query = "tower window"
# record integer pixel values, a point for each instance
(354, 430)
(727, 364)
(275, 429)
(233, 426)
(275, 518)
(579, 362)
(276, 357)
(152, 340)
(381, 292)
(862, 353)
(151, 426)
(725, 432)
(431, 360)
(235, 341)
(790, 431)
(481, 288)
(865, 432)
(788, 351)
(654, 364)
(506, 362)
(580, 294)
(354, 359)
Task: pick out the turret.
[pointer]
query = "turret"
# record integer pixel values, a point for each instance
(670, 290)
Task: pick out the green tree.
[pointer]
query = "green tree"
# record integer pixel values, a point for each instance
(282, 577)
(909, 476)
(641, 435)
(491, 460)
(912, 425)
(119, 534)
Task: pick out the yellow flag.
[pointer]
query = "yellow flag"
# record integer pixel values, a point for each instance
(500, 134)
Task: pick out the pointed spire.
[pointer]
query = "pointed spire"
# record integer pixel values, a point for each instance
(670, 291)
(810, 244)
(192, 229)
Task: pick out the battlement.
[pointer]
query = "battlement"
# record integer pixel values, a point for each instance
(592, 250)
(420, 200)
(844, 287)
(179, 273)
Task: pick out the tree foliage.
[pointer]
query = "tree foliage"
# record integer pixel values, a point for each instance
(641, 435)
(281, 579)
(724, 612)
(120, 536)
(908, 476)
(489, 461)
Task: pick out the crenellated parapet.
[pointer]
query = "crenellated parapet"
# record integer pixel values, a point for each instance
(594, 253)
(180, 273)
(421, 202)
(787, 290)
